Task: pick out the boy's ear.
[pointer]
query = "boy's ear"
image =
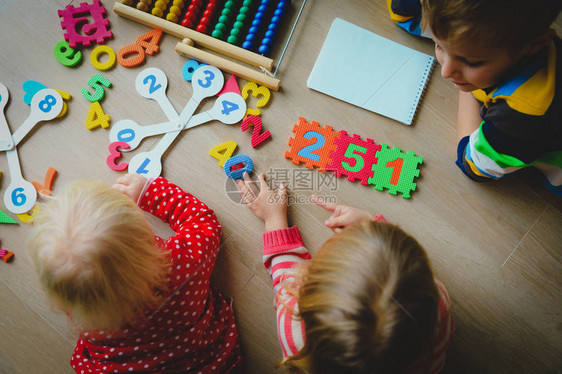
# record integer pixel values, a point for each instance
(539, 42)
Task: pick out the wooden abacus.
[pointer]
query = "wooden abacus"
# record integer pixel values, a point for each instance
(243, 30)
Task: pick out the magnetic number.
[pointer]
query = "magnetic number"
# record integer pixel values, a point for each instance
(208, 79)
(66, 55)
(228, 106)
(46, 104)
(18, 196)
(114, 154)
(189, 68)
(96, 82)
(94, 57)
(319, 143)
(142, 168)
(153, 86)
(396, 166)
(257, 138)
(350, 153)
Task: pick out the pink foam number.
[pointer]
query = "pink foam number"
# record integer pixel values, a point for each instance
(73, 17)
(231, 85)
(257, 138)
(114, 154)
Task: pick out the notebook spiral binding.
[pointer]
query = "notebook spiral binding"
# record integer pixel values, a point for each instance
(421, 90)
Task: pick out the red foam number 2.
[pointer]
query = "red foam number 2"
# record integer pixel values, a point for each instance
(257, 138)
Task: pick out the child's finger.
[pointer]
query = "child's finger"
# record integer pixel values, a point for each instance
(328, 206)
(263, 184)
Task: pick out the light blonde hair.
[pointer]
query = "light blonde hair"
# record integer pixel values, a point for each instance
(368, 301)
(96, 257)
(505, 24)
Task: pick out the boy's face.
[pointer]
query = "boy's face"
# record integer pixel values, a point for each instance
(473, 66)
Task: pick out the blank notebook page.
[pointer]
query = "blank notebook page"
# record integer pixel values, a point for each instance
(374, 73)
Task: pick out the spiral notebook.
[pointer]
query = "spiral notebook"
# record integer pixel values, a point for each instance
(374, 73)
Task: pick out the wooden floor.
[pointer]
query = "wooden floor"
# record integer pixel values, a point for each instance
(497, 247)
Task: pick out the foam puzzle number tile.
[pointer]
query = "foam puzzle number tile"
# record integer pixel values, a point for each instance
(353, 157)
(395, 176)
(312, 144)
(223, 152)
(97, 117)
(65, 55)
(257, 138)
(239, 172)
(72, 17)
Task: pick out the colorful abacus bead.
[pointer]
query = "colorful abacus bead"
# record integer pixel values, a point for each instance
(191, 14)
(160, 7)
(225, 20)
(256, 26)
(240, 24)
(265, 47)
(175, 11)
(208, 16)
(143, 5)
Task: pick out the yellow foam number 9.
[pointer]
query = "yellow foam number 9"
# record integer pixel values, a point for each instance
(94, 57)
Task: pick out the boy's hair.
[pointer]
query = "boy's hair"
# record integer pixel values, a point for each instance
(96, 257)
(368, 301)
(504, 24)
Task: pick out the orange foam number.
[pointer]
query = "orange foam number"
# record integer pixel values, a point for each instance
(396, 166)
(45, 189)
(149, 41)
(96, 117)
(257, 138)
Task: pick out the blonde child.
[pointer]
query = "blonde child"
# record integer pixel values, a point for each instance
(366, 303)
(142, 303)
(506, 62)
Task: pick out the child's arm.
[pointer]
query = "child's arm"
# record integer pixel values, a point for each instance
(468, 115)
(283, 250)
(343, 216)
(195, 224)
(408, 15)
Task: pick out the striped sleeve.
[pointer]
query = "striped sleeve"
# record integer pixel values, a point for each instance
(282, 251)
(480, 161)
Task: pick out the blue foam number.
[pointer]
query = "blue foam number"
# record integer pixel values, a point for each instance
(189, 68)
(237, 174)
(307, 151)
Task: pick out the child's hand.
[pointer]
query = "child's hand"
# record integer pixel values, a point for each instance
(131, 185)
(267, 205)
(342, 215)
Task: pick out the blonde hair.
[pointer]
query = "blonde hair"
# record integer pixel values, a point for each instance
(503, 24)
(96, 257)
(368, 301)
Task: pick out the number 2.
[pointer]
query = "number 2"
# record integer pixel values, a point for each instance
(153, 87)
(319, 143)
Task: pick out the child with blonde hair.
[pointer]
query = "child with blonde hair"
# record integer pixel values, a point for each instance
(366, 303)
(506, 61)
(141, 303)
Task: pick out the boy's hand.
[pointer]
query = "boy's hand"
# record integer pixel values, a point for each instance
(131, 185)
(342, 215)
(267, 205)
